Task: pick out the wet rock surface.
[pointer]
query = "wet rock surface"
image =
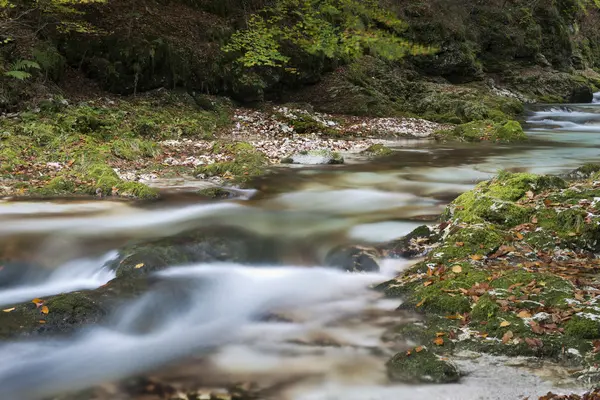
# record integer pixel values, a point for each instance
(353, 259)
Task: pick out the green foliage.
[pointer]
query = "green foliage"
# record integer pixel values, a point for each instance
(331, 29)
(20, 69)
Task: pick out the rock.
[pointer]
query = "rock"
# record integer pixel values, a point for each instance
(378, 150)
(314, 157)
(421, 367)
(192, 247)
(353, 259)
(581, 94)
(415, 244)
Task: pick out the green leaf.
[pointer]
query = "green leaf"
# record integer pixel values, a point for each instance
(20, 75)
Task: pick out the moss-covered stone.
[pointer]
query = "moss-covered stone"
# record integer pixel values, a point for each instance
(486, 130)
(423, 366)
(246, 163)
(378, 150)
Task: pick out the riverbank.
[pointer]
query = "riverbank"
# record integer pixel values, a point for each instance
(119, 147)
(510, 270)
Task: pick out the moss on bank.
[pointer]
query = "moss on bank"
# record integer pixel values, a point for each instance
(246, 162)
(485, 130)
(72, 149)
(515, 282)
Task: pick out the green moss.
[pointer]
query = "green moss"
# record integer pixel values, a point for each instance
(247, 162)
(555, 290)
(486, 130)
(513, 186)
(137, 190)
(378, 150)
(474, 239)
(57, 186)
(582, 328)
(475, 207)
(421, 367)
(133, 149)
(441, 296)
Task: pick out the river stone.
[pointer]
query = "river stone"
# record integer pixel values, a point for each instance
(424, 366)
(314, 157)
(581, 94)
(353, 259)
(415, 244)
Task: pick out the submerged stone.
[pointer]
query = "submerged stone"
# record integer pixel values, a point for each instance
(314, 157)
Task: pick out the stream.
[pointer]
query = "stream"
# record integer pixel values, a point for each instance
(209, 324)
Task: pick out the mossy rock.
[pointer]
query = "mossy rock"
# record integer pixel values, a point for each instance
(422, 367)
(247, 162)
(438, 296)
(487, 130)
(225, 245)
(378, 150)
(470, 240)
(315, 157)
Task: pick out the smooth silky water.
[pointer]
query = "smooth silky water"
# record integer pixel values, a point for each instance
(205, 325)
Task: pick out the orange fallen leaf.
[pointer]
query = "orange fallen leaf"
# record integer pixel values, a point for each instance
(439, 341)
(427, 283)
(504, 323)
(460, 244)
(419, 304)
(476, 257)
(41, 321)
(419, 349)
(519, 236)
(38, 302)
(138, 266)
(408, 352)
(524, 314)
(45, 310)
(440, 334)
(457, 269)
(9, 309)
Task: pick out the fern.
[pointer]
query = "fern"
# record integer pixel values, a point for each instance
(20, 75)
(22, 65)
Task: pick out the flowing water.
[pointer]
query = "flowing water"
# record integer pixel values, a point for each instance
(208, 324)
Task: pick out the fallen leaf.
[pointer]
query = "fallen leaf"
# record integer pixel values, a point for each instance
(547, 202)
(504, 323)
(530, 194)
(419, 349)
(439, 341)
(408, 352)
(38, 302)
(439, 334)
(476, 257)
(41, 321)
(507, 336)
(457, 269)
(138, 266)
(460, 244)
(524, 314)
(45, 310)
(534, 220)
(419, 304)
(519, 236)
(9, 309)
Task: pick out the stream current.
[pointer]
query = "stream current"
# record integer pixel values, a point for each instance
(205, 324)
